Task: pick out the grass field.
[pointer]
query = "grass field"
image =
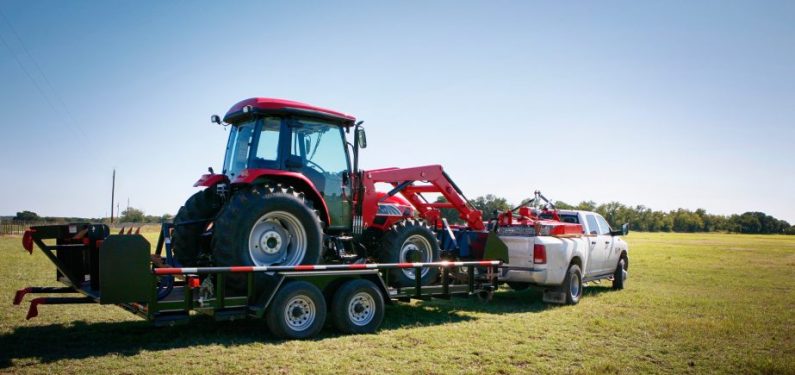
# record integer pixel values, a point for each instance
(694, 303)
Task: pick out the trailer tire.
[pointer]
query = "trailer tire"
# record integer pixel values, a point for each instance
(264, 226)
(620, 274)
(186, 241)
(357, 307)
(409, 241)
(572, 285)
(298, 311)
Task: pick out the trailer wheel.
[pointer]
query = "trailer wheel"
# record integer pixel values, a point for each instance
(409, 241)
(189, 225)
(357, 307)
(298, 311)
(620, 274)
(572, 285)
(265, 226)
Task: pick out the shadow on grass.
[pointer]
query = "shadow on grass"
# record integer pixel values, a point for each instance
(80, 340)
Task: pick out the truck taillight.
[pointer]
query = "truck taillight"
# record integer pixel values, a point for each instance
(539, 254)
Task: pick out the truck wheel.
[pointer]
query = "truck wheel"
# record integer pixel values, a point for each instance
(572, 285)
(518, 286)
(265, 226)
(189, 226)
(298, 311)
(620, 274)
(409, 241)
(357, 307)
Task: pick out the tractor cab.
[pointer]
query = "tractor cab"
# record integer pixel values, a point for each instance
(271, 135)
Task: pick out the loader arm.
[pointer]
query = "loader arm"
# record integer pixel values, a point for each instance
(411, 183)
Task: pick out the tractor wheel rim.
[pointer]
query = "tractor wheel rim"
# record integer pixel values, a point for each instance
(416, 244)
(574, 287)
(299, 313)
(361, 308)
(277, 238)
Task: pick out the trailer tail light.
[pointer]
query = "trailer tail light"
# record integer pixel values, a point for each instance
(27, 240)
(539, 254)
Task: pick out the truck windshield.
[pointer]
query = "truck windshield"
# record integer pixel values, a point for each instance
(237, 148)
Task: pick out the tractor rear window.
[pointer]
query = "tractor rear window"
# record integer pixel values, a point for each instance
(237, 148)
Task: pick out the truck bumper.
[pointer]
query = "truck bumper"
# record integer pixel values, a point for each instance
(523, 275)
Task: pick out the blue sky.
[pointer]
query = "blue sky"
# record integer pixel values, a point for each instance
(668, 104)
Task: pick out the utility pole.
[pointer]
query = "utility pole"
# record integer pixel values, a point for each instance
(112, 195)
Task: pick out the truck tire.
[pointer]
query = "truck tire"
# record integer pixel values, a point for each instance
(572, 285)
(264, 226)
(186, 241)
(409, 241)
(620, 274)
(357, 307)
(298, 311)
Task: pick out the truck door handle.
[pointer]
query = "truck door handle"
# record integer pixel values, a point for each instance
(607, 242)
(593, 242)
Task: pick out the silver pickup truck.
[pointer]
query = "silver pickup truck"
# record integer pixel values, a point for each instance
(561, 264)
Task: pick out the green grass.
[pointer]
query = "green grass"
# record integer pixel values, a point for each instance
(694, 303)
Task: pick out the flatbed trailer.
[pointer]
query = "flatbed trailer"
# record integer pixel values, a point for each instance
(295, 301)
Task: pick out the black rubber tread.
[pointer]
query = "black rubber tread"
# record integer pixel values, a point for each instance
(570, 300)
(518, 286)
(274, 317)
(391, 242)
(618, 274)
(186, 239)
(233, 226)
(339, 307)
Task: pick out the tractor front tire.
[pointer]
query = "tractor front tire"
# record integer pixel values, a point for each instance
(409, 241)
(263, 226)
(189, 224)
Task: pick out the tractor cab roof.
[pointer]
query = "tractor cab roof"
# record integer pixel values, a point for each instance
(282, 106)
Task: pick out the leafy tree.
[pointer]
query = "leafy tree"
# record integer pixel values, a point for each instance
(27, 216)
(490, 203)
(132, 215)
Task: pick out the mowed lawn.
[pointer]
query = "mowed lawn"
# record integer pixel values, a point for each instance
(694, 303)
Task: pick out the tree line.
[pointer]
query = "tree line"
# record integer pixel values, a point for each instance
(644, 219)
(640, 218)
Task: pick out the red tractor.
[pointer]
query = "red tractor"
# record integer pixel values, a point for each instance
(291, 193)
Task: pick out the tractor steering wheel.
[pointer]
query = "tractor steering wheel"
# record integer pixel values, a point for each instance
(316, 165)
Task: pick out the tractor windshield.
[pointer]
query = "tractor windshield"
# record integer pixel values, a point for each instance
(237, 148)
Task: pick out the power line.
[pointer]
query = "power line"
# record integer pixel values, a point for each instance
(70, 117)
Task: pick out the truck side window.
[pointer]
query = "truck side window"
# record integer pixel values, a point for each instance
(603, 225)
(593, 227)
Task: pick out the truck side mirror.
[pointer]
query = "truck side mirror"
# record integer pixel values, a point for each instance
(361, 138)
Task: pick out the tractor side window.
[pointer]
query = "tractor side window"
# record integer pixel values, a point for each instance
(268, 147)
(237, 149)
(320, 147)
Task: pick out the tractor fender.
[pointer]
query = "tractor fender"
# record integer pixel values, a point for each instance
(253, 176)
(210, 180)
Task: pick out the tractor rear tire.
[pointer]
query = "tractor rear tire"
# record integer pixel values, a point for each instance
(186, 241)
(409, 241)
(264, 226)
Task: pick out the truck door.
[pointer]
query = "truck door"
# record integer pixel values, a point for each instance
(598, 243)
(611, 256)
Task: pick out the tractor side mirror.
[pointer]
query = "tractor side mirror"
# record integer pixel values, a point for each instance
(361, 138)
(215, 119)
